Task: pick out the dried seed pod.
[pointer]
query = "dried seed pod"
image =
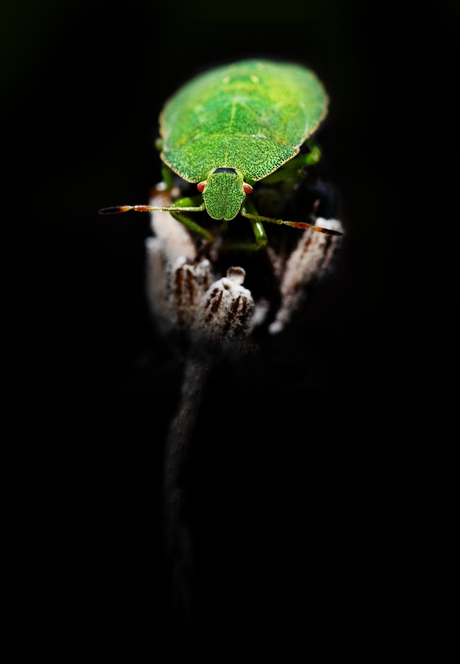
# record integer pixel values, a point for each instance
(310, 261)
(226, 309)
(174, 289)
(176, 241)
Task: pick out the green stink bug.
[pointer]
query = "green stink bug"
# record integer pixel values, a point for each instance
(233, 126)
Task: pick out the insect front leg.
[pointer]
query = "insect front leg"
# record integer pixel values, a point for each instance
(166, 174)
(257, 226)
(257, 229)
(191, 225)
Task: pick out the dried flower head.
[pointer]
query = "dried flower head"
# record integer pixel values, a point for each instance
(188, 297)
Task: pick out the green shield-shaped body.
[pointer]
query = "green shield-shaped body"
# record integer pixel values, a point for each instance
(251, 116)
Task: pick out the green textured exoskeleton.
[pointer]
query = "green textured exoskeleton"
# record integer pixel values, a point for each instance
(233, 126)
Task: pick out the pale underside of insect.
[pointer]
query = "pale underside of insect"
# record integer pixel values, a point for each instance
(232, 127)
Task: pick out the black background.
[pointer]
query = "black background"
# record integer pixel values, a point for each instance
(85, 83)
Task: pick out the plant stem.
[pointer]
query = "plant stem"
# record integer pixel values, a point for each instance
(178, 545)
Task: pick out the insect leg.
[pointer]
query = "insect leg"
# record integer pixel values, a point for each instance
(257, 227)
(190, 201)
(292, 168)
(284, 173)
(166, 174)
(191, 225)
(314, 155)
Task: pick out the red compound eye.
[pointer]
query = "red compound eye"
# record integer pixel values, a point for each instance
(247, 188)
(201, 186)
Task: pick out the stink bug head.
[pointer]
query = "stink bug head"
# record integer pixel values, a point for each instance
(224, 193)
